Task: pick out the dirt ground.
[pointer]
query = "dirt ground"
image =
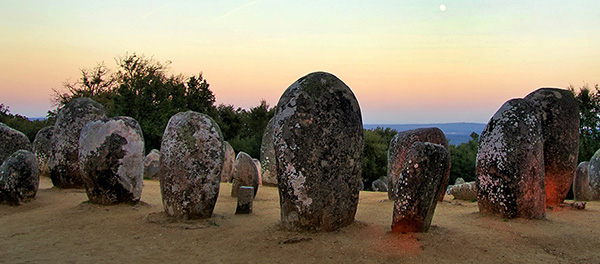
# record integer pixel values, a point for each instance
(60, 226)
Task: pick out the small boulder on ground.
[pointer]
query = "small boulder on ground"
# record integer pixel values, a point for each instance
(19, 177)
(245, 198)
(379, 186)
(245, 173)
(466, 191)
(152, 164)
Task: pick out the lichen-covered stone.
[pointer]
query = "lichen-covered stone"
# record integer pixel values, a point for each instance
(419, 187)
(465, 191)
(267, 156)
(19, 177)
(399, 147)
(12, 140)
(582, 191)
(111, 159)
(190, 165)
(560, 129)
(245, 198)
(594, 176)
(379, 186)
(259, 169)
(228, 162)
(152, 164)
(245, 173)
(64, 162)
(318, 136)
(510, 163)
(42, 147)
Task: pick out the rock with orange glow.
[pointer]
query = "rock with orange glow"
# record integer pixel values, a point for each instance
(245, 173)
(228, 162)
(582, 191)
(399, 147)
(318, 138)
(510, 163)
(560, 128)
(419, 187)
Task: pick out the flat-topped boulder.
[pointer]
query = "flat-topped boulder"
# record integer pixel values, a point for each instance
(19, 177)
(42, 148)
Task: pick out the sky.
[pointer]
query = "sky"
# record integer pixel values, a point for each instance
(406, 61)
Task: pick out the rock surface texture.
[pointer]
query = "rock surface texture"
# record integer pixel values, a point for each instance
(560, 129)
(379, 186)
(582, 191)
(245, 173)
(318, 136)
(465, 191)
(401, 144)
(111, 159)
(190, 165)
(267, 156)
(152, 164)
(510, 163)
(19, 177)
(419, 187)
(228, 163)
(594, 176)
(245, 198)
(12, 140)
(42, 147)
(64, 162)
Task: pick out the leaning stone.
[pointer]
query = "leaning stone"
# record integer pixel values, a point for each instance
(466, 191)
(19, 177)
(594, 176)
(191, 160)
(379, 186)
(245, 198)
(152, 164)
(64, 162)
(12, 140)
(399, 147)
(42, 147)
(228, 162)
(245, 173)
(582, 191)
(510, 163)
(560, 128)
(111, 159)
(259, 169)
(267, 156)
(419, 187)
(318, 137)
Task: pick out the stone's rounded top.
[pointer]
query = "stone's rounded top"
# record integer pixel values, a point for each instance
(154, 152)
(12, 140)
(43, 136)
(427, 134)
(79, 107)
(19, 177)
(558, 93)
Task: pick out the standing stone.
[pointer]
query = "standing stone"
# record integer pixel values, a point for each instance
(228, 163)
(12, 140)
(152, 164)
(111, 159)
(560, 128)
(19, 177)
(318, 137)
(245, 173)
(582, 191)
(379, 186)
(245, 198)
(361, 185)
(594, 176)
(267, 156)
(259, 169)
(419, 187)
(510, 163)
(191, 160)
(42, 147)
(64, 162)
(465, 191)
(399, 147)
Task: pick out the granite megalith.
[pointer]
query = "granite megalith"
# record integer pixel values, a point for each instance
(19, 177)
(399, 147)
(151, 164)
(42, 147)
(64, 161)
(228, 162)
(560, 129)
(111, 159)
(594, 176)
(318, 139)
(510, 163)
(12, 140)
(267, 156)
(419, 187)
(582, 191)
(245, 173)
(191, 160)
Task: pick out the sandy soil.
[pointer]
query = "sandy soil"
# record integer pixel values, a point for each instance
(59, 226)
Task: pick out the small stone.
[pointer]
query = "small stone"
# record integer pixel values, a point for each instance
(19, 177)
(12, 140)
(42, 147)
(245, 173)
(152, 164)
(267, 156)
(459, 181)
(379, 186)
(466, 191)
(245, 198)
(228, 162)
(582, 190)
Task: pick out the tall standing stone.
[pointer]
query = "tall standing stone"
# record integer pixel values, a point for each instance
(419, 187)
(151, 164)
(245, 173)
(399, 147)
(12, 140)
(111, 159)
(19, 177)
(318, 136)
(42, 147)
(582, 191)
(267, 156)
(64, 162)
(190, 165)
(228, 163)
(560, 128)
(510, 163)
(594, 176)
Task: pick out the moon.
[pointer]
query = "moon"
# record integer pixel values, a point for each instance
(442, 7)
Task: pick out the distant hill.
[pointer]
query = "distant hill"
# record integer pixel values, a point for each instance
(457, 133)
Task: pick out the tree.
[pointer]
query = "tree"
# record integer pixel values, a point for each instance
(463, 159)
(244, 129)
(22, 123)
(376, 145)
(589, 126)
